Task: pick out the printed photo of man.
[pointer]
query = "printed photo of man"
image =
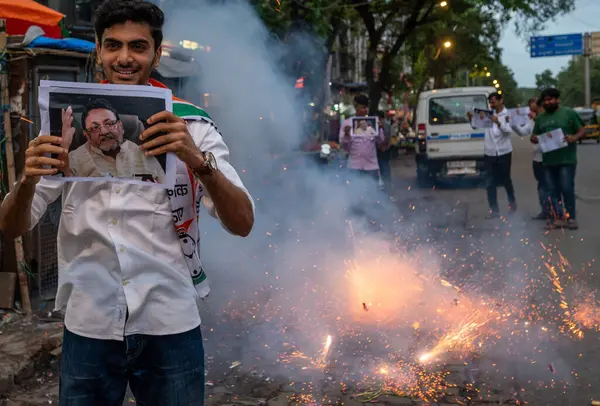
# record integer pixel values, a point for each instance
(107, 152)
(364, 129)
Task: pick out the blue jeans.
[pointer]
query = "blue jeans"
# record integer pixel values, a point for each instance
(161, 370)
(560, 180)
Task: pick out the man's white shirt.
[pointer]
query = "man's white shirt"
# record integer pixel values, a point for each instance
(119, 252)
(497, 138)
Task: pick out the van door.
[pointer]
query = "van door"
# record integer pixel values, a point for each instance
(449, 133)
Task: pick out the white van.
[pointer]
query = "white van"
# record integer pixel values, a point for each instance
(447, 145)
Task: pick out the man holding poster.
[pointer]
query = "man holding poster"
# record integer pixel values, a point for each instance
(130, 276)
(497, 153)
(564, 128)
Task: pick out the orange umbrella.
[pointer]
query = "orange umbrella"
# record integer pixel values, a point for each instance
(29, 10)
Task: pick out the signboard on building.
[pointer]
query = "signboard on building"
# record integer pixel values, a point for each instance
(556, 45)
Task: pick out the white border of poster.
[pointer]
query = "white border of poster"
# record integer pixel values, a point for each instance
(50, 86)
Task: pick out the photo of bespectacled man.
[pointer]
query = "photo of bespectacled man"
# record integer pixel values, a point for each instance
(101, 133)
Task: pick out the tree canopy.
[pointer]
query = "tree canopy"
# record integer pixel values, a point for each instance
(545, 80)
(571, 81)
(419, 29)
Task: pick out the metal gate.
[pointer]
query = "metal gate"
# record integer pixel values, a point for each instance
(47, 229)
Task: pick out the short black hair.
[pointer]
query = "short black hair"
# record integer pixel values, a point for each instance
(95, 105)
(112, 12)
(496, 95)
(380, 114)
(552, 92)
(361, 99)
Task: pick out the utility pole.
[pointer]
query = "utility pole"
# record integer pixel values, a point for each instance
(587, 48)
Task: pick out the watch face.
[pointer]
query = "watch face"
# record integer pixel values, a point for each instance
(211, 160)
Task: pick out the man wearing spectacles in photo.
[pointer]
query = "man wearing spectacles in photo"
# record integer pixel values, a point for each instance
(107, 152)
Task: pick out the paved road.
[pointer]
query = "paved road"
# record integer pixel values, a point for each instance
(514, 259)
(503, 259)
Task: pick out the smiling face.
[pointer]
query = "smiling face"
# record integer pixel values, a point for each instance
(127, 53)
(103, 130)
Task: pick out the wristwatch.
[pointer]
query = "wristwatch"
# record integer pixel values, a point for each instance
(210, 165)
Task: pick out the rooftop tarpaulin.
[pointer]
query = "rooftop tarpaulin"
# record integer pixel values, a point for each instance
(22, 14)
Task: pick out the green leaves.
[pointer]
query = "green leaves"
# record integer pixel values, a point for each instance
(571, 82)
(412, 31)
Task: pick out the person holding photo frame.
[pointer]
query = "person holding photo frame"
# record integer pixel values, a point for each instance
(129, 268)
(498, 156)
(362, 150)
(560, 165)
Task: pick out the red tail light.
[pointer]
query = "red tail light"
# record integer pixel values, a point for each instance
(421, 129)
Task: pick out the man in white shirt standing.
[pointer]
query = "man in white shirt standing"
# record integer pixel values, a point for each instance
(498, 157)
(128, 264)
(526, 130)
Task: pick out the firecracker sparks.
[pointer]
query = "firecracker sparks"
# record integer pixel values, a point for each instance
(463, 338)
(569, 326)
(586, 311)
(318, 363)
(404, 379)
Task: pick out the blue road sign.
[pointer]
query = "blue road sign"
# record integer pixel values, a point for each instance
(556, 45)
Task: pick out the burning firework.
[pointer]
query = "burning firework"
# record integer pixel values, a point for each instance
(371, 323)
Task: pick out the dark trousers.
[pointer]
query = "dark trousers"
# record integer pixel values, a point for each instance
(385, 168)
(542, 188)
(560, 180)
(161, 370)
(497, 170)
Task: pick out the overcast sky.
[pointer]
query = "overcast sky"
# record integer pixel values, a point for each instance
(515, 54)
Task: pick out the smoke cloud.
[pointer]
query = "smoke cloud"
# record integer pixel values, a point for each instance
(313, 267)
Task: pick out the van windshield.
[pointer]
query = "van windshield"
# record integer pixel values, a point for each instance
(453, 109)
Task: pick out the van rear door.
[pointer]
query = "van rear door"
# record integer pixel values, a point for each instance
(449, 133)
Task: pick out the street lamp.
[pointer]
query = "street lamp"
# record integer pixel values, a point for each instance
(497, 85)
(447, 44)
(499, 91)
(443, 4)
(495, 81)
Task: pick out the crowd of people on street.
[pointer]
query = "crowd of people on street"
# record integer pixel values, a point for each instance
(554, 170)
